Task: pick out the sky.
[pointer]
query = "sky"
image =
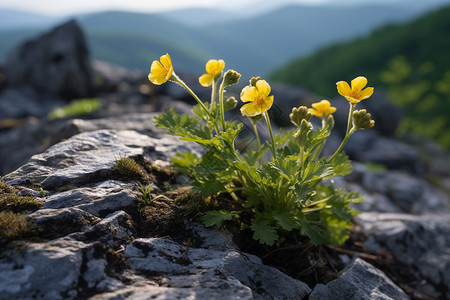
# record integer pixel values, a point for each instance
(58, 7)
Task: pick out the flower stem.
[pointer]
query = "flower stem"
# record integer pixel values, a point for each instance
(221, 106)
(348, 132)
(255, 129)
(184, 85)
(272, 142)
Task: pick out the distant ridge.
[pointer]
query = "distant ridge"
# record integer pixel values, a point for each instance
(253, 46)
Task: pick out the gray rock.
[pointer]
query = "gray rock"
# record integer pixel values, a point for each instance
(26, 102)
(204, 264)
(369, 146)
(42, 271)
(359, 280)
(419, 241)
(19, 144)
(55, 63)
(408, 193)
(89, 157)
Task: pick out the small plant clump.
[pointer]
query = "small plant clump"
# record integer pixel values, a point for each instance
(128, 168)
(288, 193)
(13, 225)
(13, 221)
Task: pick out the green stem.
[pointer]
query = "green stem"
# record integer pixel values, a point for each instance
(184, 85)
(272, 142)
(213, 93)
(255, 129)
(348, 132)
(221, 104)
(350, 117)
(342, 144)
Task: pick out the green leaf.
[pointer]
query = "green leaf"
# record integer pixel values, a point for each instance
(315, 232)
(341, 165)
(317, 171)
(264, 232)
(208, 186)
(216, 217)
(286, 219)
(199, 111)
(185, 159)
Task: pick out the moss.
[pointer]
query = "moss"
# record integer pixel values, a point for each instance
(128, 168)
(14, 226)
(4, 188)
(15, 203)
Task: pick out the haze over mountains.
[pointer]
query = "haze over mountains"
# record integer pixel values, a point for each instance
(254, 42)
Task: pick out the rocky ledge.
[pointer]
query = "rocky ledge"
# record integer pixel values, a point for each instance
(92, 243)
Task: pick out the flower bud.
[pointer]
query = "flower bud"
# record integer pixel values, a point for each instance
(299, 114)
(254, 80)
(230, 103)
(361, 119)
(301, 136)
(231, 77)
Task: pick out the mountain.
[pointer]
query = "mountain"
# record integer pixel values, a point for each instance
(17, 19)
(410, 60)
(254, 45)
(196, 17)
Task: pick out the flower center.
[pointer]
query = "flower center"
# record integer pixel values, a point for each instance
(259, 101)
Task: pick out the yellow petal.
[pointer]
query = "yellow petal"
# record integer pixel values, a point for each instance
(166, 61)
(249, 93)
(366, 93)
(263, 88)
(206, 80)
(267, 104)
(343, 88)
(359, 83)
(157, 73)
(214, 67)
(351, 99)
(316, 112)
(330, 110)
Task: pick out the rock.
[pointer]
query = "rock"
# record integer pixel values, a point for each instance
(84, 218)
(19, 144)
(422, 242)
(26, 102)
(236, 270)
(369, 146)
(55, 63)
(89, 157)
(359, 280)
(400, 190)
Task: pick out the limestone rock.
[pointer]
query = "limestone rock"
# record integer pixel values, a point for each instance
(360, 280)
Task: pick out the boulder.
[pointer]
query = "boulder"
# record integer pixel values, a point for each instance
(55, 63)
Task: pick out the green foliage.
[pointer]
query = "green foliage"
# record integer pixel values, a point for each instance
(146, 193)
(410, 60)
(78, 107)
(290, 192)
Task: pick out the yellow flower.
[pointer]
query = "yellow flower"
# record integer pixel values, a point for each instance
(259, 99)
(160, 72)
(213, 68)
(322, 109)
(356, 93)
